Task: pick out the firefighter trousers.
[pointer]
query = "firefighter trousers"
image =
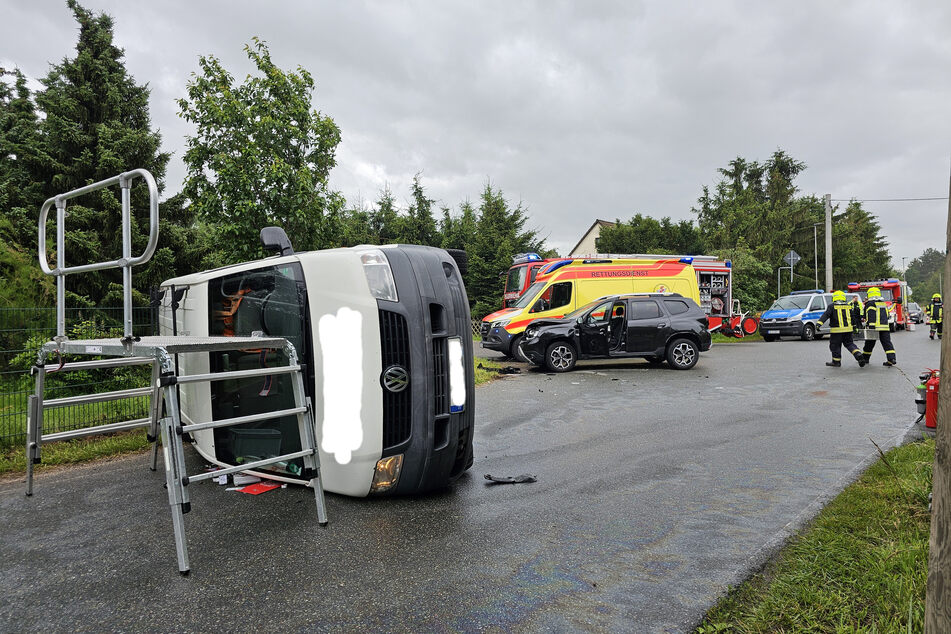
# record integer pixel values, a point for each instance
(936, 327)
(886, 338)
(839, 339)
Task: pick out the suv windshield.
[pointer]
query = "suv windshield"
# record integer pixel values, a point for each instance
(578, 312)
(791, 302)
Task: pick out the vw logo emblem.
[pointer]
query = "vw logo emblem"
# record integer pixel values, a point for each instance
(395, 378)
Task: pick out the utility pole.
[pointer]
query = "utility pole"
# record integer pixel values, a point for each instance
(828, 200)
(938, 594)
(815, 251)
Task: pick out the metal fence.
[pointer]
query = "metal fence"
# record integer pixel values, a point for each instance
(24, 330)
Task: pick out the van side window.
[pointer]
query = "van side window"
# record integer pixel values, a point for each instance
(675, 306)
(818, 303)
(557, 296)
(645, 309)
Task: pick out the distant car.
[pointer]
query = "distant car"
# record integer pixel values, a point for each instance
(656, 326)
(915, 314)
(797, 315)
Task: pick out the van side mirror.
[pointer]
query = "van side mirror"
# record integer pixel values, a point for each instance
(274, 239)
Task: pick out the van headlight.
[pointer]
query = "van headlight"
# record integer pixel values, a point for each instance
(379, 275)
(531, 332)
(387, 473)
(502, 323)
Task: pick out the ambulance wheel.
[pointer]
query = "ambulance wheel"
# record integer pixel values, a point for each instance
(769, 337)
(560, 356)
(808, 332)
(516, 352)
(682, 354)
(891, 327)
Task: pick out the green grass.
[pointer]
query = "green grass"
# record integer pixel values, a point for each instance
(721, 338)
(72, 451)
(861, 565)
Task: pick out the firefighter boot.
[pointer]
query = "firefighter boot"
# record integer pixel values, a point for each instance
(834, 364)
(860, 357)
(931, 335)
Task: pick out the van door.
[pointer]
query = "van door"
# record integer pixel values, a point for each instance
(593, 330)
(554, 302)
(648, 327)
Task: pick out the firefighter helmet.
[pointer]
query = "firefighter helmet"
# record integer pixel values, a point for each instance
(838, 296)
(936, 296)
(874, 292)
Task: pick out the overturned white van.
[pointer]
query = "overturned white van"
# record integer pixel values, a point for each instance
(384, 333)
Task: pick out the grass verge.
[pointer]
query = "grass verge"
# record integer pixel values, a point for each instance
(861, 565)
(721, 338)
(79, 450)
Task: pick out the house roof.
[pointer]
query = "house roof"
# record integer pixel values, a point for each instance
(597, 223)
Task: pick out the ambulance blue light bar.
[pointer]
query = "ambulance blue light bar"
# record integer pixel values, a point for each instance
(686, 260)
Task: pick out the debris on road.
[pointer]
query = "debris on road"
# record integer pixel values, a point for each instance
(509, 479)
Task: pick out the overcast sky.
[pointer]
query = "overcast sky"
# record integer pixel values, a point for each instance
(580, 110)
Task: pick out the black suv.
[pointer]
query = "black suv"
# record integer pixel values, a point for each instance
(656, 326)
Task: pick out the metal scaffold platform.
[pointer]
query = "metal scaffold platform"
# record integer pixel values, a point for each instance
(164, 421)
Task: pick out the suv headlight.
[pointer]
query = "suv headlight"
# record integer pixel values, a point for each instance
(379, 275)
(530, 332)
(502, 323)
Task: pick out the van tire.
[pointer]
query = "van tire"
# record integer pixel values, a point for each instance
(560, 357)
(514, 353)
(770, 337)
(461, 258)
(808, 332)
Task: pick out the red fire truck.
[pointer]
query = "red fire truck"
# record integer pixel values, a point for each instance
(895, 293)
(714, 277)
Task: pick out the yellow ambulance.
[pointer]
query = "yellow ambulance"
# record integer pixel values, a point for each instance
(564, 285)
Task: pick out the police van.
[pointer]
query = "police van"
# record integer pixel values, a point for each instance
(384, 335)
(797, 315)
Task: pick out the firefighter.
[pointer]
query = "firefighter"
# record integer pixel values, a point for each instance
(935, 315)
(856, 313)
(839, 316)
(876, 317)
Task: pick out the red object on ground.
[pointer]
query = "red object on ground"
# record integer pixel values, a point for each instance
(931, 400)
(260, 487)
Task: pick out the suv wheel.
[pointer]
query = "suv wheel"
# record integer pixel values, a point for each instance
(808, 332)
(560, 356)
(682, 354)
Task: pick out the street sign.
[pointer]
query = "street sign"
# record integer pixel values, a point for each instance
(791, 258)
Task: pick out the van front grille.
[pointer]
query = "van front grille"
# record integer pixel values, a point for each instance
(397, 406)
(440, 377)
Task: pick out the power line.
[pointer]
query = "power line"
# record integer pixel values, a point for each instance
(884, 200)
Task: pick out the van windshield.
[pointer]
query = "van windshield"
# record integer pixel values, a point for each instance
(791, 302)
(529, 295)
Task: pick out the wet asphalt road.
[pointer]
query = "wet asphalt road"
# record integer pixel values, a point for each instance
(656, 490)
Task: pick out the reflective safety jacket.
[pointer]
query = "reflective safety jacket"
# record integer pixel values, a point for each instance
(935, 312)
(876, 314)
(839, 316)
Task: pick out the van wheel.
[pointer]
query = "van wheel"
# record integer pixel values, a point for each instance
(891, 327)
(808, 332)
(560, 356)
(769, 337)
(682, 354)
(461, 258)
(515, 353)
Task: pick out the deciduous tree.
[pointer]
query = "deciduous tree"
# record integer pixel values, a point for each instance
(260, 155)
